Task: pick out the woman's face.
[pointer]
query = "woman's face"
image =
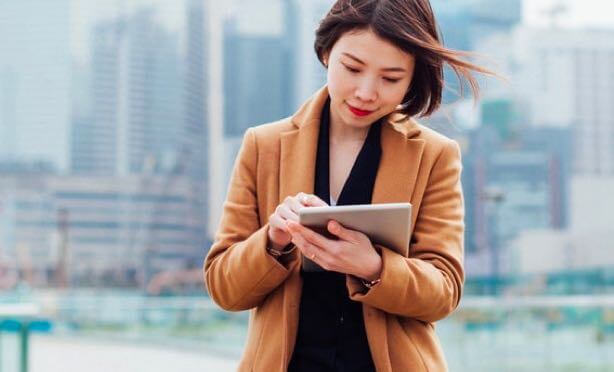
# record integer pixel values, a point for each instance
(367, 77)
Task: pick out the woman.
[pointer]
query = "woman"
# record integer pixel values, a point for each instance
(354, 142)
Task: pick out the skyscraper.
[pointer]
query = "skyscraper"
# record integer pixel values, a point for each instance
(256, 88)
(35, 81)
(513, 183)
(193, 154)
(565, 78)
(302, 21)
(94, 138)
(136, 100)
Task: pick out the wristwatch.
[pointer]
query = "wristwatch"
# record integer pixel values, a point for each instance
(277, 253)
(371, 283)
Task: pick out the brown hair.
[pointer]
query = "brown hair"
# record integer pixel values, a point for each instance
(410, 25)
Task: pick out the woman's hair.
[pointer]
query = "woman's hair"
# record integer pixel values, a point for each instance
(410, 25)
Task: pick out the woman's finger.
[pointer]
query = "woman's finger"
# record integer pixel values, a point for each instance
(311, 236)
(286, 213)
(314, 201)
(338, 230)
(310, 200)
(308, 250)
(294, 204)
(300, 241)
(277, 222)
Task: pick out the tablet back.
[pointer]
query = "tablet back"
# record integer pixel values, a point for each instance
(386, 224)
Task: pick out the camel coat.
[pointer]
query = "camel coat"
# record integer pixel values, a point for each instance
(418, 286)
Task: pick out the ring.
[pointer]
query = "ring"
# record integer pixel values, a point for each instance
(313, 256)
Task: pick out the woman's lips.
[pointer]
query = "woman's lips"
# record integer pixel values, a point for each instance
(358, 112)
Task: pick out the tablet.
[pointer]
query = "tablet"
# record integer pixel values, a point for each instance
(387, 224)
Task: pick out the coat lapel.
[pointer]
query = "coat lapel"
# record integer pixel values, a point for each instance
(298, 158)
(299, 147)
(398, 169)
(394, 183)
(296, 174)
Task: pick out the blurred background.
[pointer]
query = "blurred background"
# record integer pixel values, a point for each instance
(120, 122)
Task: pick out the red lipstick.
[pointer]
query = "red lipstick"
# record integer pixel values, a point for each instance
(358, 112)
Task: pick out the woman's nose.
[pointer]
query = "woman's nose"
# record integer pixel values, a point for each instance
(366, 90)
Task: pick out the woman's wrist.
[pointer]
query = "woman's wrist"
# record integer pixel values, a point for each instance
(272, 244)
(375, 272)
(276, 247)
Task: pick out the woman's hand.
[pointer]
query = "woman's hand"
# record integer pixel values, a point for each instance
(279, 236)
(352, 254)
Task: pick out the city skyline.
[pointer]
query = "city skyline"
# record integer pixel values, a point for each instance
(580, 14)
(152, 96)
(120, 123)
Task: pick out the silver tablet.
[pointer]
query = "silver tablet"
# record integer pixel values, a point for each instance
(386, 224)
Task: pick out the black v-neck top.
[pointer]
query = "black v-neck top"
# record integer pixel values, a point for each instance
(331, 333)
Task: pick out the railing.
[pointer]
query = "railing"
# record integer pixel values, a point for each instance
(568, 333)
(550, 333)
(15, 319)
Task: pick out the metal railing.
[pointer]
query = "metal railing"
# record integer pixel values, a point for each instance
(16, 318)
(554, 333)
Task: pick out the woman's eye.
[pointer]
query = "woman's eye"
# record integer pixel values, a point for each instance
(391, 80)
(352, 70)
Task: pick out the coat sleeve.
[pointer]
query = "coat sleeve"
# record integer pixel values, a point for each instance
(238, 271)
(426, 286)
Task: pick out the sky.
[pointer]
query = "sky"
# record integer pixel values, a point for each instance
(580, 13)
(84, 13)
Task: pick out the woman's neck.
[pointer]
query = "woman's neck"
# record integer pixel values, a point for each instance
(343, 133)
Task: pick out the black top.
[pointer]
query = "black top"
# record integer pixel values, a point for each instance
(331, 333)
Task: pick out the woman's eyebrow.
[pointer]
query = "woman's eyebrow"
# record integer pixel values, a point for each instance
(391, 69)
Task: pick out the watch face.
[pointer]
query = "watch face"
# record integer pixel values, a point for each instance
(370, 284)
